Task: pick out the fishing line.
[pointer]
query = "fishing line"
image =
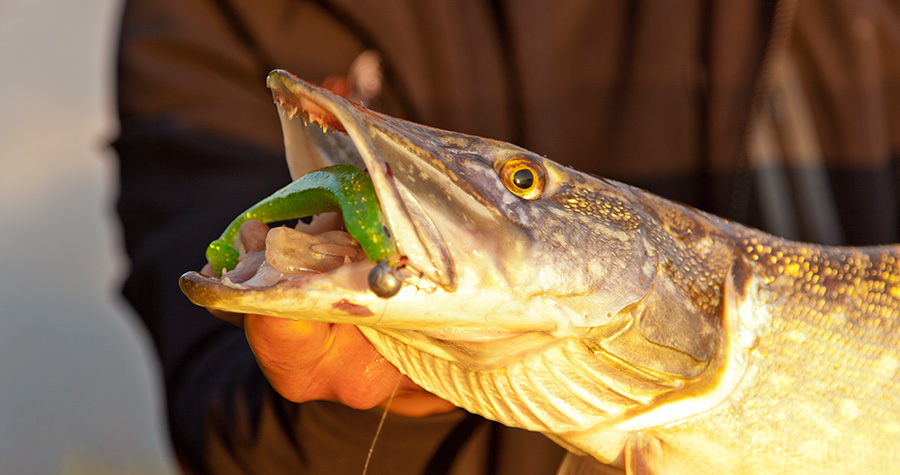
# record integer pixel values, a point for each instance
(383, 312)
(381, 424)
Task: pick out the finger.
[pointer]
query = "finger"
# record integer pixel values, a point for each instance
(285, 344)
(368, 379)
(306, 360)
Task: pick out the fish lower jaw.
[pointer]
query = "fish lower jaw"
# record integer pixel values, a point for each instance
(350, 278)
(313, 252)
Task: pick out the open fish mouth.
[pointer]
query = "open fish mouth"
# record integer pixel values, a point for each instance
(467, 253)
(297, 272)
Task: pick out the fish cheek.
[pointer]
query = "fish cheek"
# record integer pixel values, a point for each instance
(669, 318)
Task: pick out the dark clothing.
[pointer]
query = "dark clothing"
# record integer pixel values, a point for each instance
(694, 101)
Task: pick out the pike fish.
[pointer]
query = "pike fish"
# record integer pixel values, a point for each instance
(634, 331)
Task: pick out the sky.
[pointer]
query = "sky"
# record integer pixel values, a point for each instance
(79, 388)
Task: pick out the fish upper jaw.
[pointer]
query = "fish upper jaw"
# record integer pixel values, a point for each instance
(307, 115)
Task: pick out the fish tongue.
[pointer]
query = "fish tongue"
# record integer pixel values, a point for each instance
(289, 250)
(252, 236)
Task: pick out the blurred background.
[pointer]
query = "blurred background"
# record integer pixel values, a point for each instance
(78, 390)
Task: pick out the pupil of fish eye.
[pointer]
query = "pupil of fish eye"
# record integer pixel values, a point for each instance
(523, 178)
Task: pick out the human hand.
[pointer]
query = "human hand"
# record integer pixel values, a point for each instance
(312, 360)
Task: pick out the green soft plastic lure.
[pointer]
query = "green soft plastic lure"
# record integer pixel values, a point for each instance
(342, 187)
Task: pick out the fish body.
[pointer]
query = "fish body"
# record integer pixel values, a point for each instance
(636, 332)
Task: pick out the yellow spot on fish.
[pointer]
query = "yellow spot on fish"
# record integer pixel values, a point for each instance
(849, 410)
(887, 367)
(793, 269)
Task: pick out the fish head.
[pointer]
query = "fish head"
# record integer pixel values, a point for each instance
(515, 271)
(525, 257)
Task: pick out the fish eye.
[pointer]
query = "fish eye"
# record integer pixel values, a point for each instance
(524, 177)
